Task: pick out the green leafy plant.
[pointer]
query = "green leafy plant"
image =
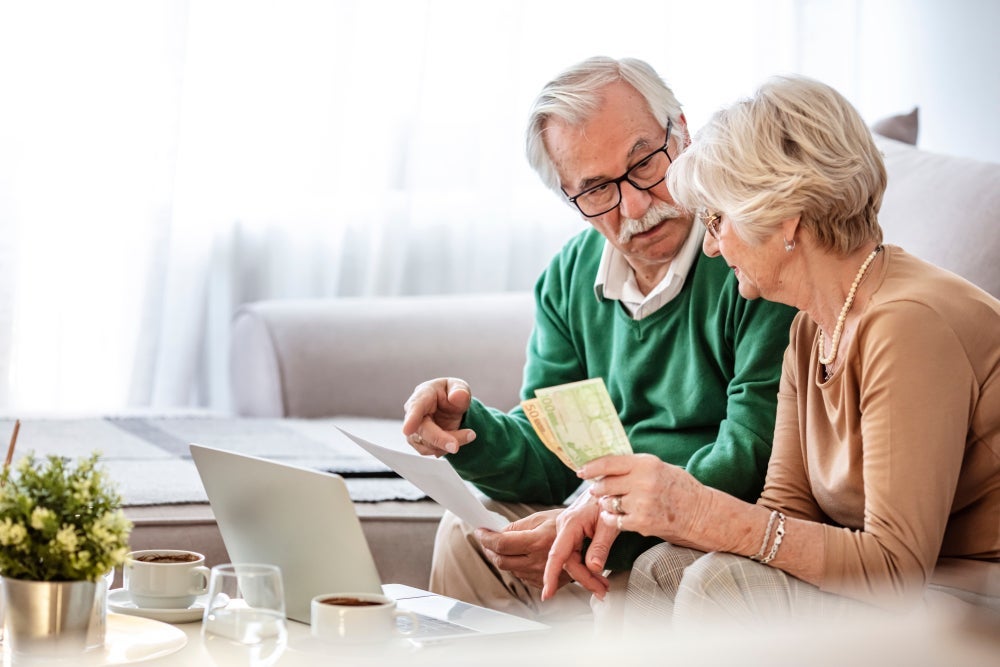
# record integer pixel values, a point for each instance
(59, 521)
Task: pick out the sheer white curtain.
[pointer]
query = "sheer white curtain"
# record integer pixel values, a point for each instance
(162, 162)
(87, 142)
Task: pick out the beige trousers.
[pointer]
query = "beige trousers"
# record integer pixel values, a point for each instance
(461, 570)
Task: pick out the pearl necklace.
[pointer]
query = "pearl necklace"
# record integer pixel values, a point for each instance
(839, 329)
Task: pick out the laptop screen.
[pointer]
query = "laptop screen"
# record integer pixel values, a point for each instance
(300, 520)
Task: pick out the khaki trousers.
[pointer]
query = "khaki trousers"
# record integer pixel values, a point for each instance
(461, 570)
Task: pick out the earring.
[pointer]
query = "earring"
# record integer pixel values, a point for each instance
(789, 245)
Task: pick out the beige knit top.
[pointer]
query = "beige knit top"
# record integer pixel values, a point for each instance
(899, 451)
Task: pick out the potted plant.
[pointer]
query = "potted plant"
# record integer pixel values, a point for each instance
(62, 532)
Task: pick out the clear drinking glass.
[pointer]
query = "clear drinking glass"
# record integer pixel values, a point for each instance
(245, 613)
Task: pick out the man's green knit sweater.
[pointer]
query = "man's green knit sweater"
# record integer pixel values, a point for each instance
(695, 383)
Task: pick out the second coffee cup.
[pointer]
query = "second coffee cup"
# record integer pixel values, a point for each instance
(358, 617)
(164, 578)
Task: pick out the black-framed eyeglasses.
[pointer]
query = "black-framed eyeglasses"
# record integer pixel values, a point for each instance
(712, 221)
(647, 173)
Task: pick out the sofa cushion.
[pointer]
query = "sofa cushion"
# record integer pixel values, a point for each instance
(362, 357)
(944, 209)
(902, 127)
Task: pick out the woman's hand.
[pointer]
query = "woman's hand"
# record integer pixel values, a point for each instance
(633, 492)
(576, 523)
(643, 494)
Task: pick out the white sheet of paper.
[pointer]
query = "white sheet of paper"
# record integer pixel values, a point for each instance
(437, 479)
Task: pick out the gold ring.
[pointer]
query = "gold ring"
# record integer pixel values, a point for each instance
(616, 505)
(417, 439)
(620, 529)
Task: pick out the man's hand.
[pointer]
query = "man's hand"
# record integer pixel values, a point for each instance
(522, 547)
(433, 414)
(579, 521)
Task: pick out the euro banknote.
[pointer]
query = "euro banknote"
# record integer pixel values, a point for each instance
(577, 421)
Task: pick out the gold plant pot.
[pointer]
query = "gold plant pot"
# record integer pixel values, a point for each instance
(54, 618)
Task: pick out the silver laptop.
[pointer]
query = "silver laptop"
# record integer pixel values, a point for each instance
(304, 521)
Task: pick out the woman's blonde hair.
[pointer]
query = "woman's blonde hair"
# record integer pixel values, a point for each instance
(796, 147)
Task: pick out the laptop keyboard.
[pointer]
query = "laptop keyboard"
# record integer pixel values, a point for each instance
(430, 626)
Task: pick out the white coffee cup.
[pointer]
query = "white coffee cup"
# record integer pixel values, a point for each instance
(164, 578)
(357, 617)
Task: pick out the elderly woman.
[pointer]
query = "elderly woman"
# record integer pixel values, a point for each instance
(885, 473)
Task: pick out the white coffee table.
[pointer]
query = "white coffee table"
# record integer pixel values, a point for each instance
(951, 641)
(302, 650)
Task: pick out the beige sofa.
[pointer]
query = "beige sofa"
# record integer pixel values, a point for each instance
(361, 357)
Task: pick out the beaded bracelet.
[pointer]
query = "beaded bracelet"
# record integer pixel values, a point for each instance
(767, 537)
(778, 534)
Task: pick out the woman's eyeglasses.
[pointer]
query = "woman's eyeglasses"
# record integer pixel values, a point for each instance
(712, 221)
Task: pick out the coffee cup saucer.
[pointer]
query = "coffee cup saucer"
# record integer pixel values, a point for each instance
(120, 602)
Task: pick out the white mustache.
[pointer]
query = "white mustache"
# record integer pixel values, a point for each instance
(654, 216)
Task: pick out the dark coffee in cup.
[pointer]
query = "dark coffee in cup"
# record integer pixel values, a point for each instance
(349, 602)
(167, 558)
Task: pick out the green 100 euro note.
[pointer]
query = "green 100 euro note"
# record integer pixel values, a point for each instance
(583, 420)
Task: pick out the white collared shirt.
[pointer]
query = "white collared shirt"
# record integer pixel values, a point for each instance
(616, 279)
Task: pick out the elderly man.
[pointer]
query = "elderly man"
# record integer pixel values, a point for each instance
(691, 366)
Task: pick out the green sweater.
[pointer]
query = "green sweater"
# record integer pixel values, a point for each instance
(695, 383)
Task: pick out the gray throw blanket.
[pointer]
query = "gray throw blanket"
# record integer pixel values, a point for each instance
(148, 457)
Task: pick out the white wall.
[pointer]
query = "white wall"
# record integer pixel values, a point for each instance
(888, 56)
